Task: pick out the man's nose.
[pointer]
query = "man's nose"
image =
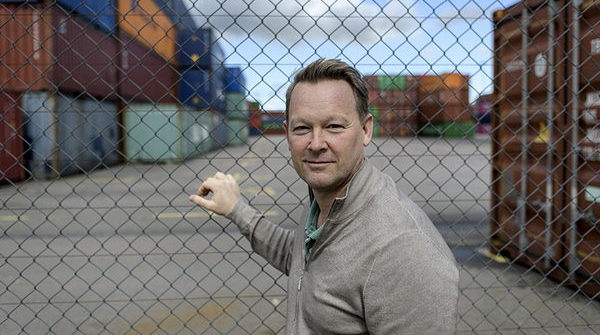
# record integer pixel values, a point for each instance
(318, 142)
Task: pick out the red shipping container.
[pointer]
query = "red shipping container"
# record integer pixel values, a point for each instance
(143, 74)
(398, 122)
(11, 139)
(45, 48)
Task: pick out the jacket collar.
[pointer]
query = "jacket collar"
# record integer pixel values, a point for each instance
(359, 192)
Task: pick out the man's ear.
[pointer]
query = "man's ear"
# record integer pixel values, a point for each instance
(367, 129)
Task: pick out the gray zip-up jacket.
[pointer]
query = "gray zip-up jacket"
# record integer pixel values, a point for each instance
(379, 266)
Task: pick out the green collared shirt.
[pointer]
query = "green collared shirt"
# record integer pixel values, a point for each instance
(310, 230)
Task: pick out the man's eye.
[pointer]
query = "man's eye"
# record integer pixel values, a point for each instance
(335, 126)
(300, 128)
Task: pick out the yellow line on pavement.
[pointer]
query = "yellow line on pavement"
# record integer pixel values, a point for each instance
(495, 257)
(13, 217)
(177, 215)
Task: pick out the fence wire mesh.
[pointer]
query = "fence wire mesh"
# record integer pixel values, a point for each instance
(114, 111)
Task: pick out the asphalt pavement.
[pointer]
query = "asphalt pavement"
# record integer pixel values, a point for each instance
(122, 251)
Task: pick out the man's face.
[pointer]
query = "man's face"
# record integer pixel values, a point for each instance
(325, 135)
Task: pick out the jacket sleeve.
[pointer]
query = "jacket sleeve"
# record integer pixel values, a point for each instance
(267, 239)
(412, 288)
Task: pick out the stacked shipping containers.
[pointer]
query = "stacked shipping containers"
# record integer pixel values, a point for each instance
(51, 56)
(393, 101)
(546, 175)
(237, 106)
(444, 106)
(202, 83)
(77, 73)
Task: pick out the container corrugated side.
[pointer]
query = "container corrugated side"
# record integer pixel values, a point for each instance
(41, 152)
(153, 132)
(200, 48)
(27, 47)
(584, 154)
(235, 80)
(101, 134)
(197, 127)
(528, 145)
(150, 26)
(84, 57)
(44, 48)
(11, 138)
(144, 76)
(101, 13)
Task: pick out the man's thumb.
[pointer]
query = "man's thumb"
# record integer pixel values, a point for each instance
(200, 201)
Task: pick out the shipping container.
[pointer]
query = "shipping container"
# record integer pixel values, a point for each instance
(197, 128)
(200, 48)
(178, 12)
(528, 152)
(101, 134)
(160, 133)
(220, 133)
(255, 118)
(272, 122)
(451, 113)
(144, 21)
(393, 91)
(237, 118)
(398, 122)
(54, 133)
(11, 138)
(46, 49)
(101, 13)
(195, 89)
(235, 81)
(453, 129)
(144, 76)
(583, 150)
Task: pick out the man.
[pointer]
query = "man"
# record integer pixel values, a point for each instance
(369, 260)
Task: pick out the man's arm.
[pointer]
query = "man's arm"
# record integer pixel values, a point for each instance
(266, 238)
(412, 289)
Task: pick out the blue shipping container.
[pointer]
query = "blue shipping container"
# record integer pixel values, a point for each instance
(201, 89)
(101, 134)
(55, 134)
(235, 81)
(178, 13)
(195, 89)
(101, 13)
(199, 48)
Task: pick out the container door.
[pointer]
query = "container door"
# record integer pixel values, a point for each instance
(40, 135)
(11, 138)
(71, 124)
(528, 172)
(583, 201)
(153, 133)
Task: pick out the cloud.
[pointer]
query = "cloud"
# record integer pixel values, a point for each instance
(291, 21)
(469, 13)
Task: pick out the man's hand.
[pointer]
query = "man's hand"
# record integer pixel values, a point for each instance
(225, 190)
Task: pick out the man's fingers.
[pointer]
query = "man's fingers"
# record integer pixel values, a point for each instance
(200, 201)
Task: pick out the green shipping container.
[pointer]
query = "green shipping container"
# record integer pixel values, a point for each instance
(392, 83)
(375, 112)
(197, 127)
(237, 118)
(462, 129)
(159, 133)
(236, 102)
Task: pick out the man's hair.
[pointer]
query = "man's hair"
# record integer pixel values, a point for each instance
(332, 69)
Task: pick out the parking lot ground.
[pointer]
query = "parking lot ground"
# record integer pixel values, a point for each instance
(122, 251)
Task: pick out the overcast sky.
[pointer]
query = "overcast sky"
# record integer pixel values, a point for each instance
(271, 39)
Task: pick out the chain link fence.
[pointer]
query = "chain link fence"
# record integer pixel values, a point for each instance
(114, 111)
